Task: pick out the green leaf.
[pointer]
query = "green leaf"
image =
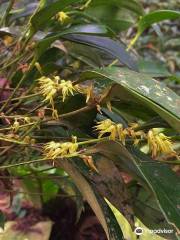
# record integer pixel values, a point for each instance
(151, 18)
(158, 175)
(96, 202)
(107, 45)
(145, 89)
(132, 5)
(118, 25)
(153, 68)
(155, 17)
(46, 13)
(50, 189)
(147, 210)
(43, 44)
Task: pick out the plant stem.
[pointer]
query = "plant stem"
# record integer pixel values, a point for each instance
(12, 141)
(23, 163)
(23, 97)
(5, 17)
(93, 141)
(17, 87)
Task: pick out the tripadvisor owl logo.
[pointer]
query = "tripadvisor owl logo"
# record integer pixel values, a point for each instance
(138, 231)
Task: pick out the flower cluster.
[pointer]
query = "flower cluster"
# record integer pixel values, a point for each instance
(53, 150)
(114, 130)
(159, 143)
(50, 87)
(67, 88)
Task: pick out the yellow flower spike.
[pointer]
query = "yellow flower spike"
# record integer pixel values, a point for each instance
(152, 143)
(159, 143)
(62, 17)
(165, 144)
(67, 88)
(106, 126)
(55, 150)
(48, 88)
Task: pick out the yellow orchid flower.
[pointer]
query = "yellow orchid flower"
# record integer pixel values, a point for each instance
(48, 88)
(55, 150)
(67, 88)
(62, 17)
(106, 126)
(159, 143)
(87, 90)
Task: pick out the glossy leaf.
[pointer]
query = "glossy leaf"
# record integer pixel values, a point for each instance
(107, 45)
(153, 68)
(168, 195)
(85, 29)
(147, 90)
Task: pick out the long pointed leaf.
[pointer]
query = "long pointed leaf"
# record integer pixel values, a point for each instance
(96, 202)
(149, 91)
(115, 49)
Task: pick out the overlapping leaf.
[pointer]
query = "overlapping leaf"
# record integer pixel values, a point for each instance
(107, 45)
(88, 29)
(157, 176)
(96, 202)
(147, 90)
(46, 13)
